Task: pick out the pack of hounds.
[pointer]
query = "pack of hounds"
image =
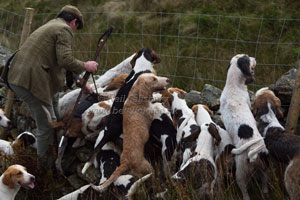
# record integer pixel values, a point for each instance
(140, 121)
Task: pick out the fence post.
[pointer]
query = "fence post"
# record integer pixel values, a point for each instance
(293, 115)
(25, 33)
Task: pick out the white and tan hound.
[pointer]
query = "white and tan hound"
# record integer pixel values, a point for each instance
(13, 179)
(283, 147)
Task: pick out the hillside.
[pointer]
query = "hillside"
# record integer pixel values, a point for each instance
(195, 39)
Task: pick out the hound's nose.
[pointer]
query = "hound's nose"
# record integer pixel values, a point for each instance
(32, 178)
(167, 80)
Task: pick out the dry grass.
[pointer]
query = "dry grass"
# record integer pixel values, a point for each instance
(224, 190)
(47, 184)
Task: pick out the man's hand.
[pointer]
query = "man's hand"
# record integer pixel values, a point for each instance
(91, 66)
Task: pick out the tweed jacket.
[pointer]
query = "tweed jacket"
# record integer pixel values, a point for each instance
(41, 62)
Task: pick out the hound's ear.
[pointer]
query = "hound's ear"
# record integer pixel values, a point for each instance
(102, 123)
(166, 99)
(279, 113)
(254, 110)
(155, 57)
(194, 135)
(110, 87)
(181, 93)
(195, 109)
(142, 90)
(212, 129)
(113, 86)
(244, 65)
(7, 179)
(196, 132)
(132, 62)
(166, 103)
(208, 110)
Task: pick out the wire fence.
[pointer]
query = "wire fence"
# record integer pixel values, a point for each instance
(195, 49)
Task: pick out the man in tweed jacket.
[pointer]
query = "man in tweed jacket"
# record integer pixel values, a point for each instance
(38, 68)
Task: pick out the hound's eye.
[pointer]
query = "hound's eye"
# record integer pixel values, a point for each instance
(20, 173)
(0, 118)
(154, 79)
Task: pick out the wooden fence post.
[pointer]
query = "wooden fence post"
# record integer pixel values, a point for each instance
(10, 95)
(293, 115)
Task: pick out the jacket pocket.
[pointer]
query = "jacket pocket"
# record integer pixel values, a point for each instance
(45, 67)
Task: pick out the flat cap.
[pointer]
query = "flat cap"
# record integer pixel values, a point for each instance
(75, 11)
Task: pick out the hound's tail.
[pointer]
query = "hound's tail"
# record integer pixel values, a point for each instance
(48, 114)
(258, 92)
(88, 164)
(135, 186)
(253, 153)
(85, 167)
(75, 194)
(245, 146)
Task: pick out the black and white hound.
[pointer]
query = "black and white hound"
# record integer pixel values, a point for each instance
(23, 140)
(162, 141)
(184, 121)
(141, 63)
(66, 102)
(201, 166)
(238, 119)
(223, 158)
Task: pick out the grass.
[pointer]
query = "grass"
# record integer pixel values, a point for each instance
(50, 185)
(195, 39)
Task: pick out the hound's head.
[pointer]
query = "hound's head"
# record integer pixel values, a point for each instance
(199, 167)
(4, 121)
(148, 83)
(169, 95)
(16, 176)
(263, 97)
(144, 58)
(242, 67)
(27, 139)
(116, 83)
(202, 113)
